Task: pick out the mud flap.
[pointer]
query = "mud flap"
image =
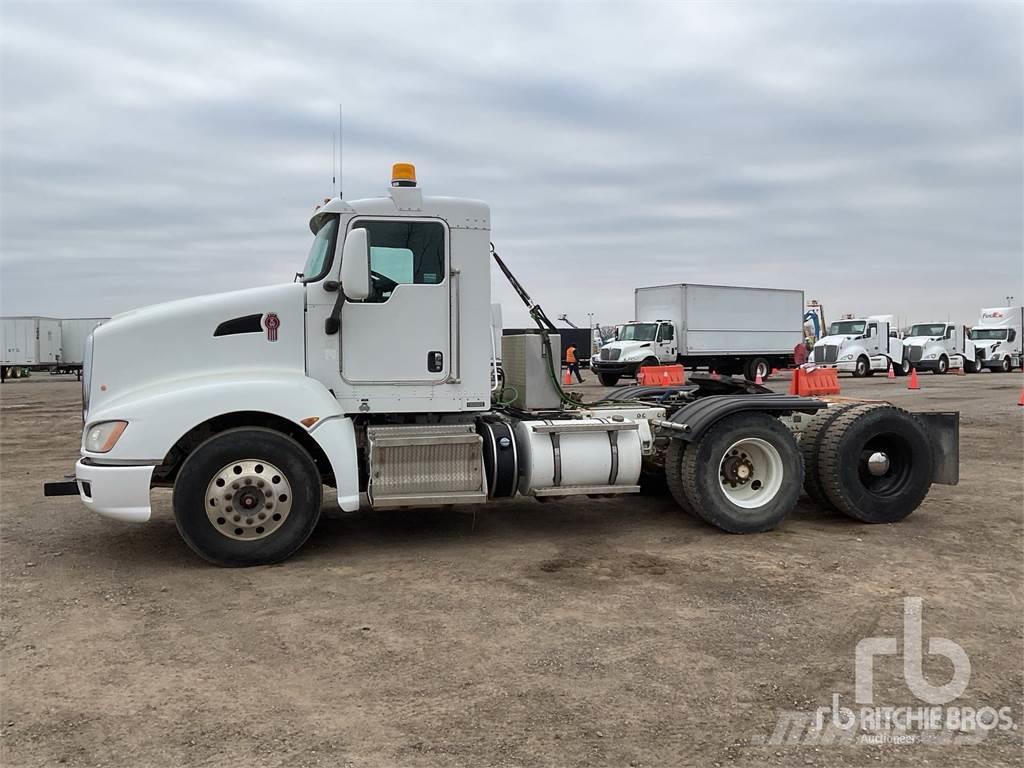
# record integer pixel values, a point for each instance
(944, 433)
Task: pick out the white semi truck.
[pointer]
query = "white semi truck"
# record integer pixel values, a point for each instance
(731, 330)
(862, 346)
(997, 339)
(939, 347)
(248, 403)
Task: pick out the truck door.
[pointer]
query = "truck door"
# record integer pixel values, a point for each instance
(666, 343)
(402, 332)
(872, 341)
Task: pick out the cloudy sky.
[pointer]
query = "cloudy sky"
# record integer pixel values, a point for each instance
(868, 153)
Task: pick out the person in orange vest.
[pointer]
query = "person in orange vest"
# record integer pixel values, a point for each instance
(572, 362)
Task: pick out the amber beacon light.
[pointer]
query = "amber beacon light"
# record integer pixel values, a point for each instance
(403, 175)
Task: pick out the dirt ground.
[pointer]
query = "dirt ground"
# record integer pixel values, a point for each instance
(576, 633)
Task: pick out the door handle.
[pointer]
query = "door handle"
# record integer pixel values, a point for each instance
(435, 361)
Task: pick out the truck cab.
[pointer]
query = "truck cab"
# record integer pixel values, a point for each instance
(938, 347)
(997, 339)
(637, 344)
(861, 346)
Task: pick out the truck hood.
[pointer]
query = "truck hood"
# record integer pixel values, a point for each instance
(628, 348)
(259, 329)
(837, 341)
(919, 341)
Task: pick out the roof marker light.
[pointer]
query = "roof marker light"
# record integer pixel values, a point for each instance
(403, 175)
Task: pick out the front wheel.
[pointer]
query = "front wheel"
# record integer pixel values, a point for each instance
(247, 496)
(758, 366)
(608, 379)
(862, 367)
(974, 367)
(1005, 366)
(942, 366)
(744, 475)
(903, 369)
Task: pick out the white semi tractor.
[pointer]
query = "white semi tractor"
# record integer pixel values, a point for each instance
(248, 403)
(862, 346)
(729, 329)
(997, 339)
(939, 347)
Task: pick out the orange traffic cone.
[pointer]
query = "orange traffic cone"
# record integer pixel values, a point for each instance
(568, 379)
(758, 379)
(892, 372)
(714, 374)
(774, 371)
(1021, 401)
(912, 384)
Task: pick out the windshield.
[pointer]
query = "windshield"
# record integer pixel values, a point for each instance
(639, 332)
(847, 328)
(319, 259)
(927, 329)
(988, 334)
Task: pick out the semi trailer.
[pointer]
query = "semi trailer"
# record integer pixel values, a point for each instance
(862, 346)
(939, 347)
(28, 344)
(247, 404)
(998, 340)
(731, 330)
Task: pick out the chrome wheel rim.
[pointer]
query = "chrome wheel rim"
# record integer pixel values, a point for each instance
(750, 473)
(248, 499)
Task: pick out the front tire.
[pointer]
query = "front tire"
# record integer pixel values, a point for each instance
(608, 379)
(247, 496)
(757, 366)
(862, 368)
(744, 475)
(1005, 366)
(942, 367)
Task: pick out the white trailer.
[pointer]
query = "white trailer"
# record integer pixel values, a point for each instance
(998, 339)
(939, 347)
(248, 403)
(74, 331)
(862, 346)
(29, 343)
(729, 329)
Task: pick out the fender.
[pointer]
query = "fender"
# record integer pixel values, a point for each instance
(696, 418)
(158, 416)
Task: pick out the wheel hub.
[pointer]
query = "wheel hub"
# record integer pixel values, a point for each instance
(248, 500)
(737, 469)
(878, 463)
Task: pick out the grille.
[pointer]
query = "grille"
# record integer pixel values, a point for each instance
(916, 353)
(829, 354)
(610, 354)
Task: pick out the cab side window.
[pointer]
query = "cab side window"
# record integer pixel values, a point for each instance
(1011, 335)
(403, 253)
(872, 330)
(666, 332)
(949, 332)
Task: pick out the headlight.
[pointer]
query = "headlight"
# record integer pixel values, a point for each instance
(100, 438)
(844, 358)
(932, 356)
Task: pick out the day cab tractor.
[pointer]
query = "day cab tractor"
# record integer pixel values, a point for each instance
(862, 346)
(247, 404)
(939, 347)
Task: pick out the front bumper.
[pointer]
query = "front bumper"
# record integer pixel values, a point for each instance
(613, 367)
(847, 367)
(119, 492)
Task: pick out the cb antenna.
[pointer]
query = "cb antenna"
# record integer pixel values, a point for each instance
(334, 162)
(341, 141)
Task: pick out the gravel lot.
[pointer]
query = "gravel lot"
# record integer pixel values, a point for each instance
(578, 633)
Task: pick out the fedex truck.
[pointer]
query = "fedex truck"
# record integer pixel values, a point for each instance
(997, 339)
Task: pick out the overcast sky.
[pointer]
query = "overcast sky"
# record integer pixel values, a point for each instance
(868, 153)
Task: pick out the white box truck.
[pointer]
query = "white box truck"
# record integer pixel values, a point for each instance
(997, 339)
(248, 403)
(28, 343)
(728, 329)
(939, 347)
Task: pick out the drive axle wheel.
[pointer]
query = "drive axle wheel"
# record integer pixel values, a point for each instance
(248, 496)
(810, 446)
(876, 463)
(744, 475)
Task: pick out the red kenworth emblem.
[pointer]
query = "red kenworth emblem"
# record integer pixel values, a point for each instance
(271, 322)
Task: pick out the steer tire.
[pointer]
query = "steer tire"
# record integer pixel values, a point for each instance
(810, 445)
(862, 367)
(754, 365)
(607, 379)
(701, 473)
(942, 367)
(292, 486)
(673, 474)
(843, 470)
